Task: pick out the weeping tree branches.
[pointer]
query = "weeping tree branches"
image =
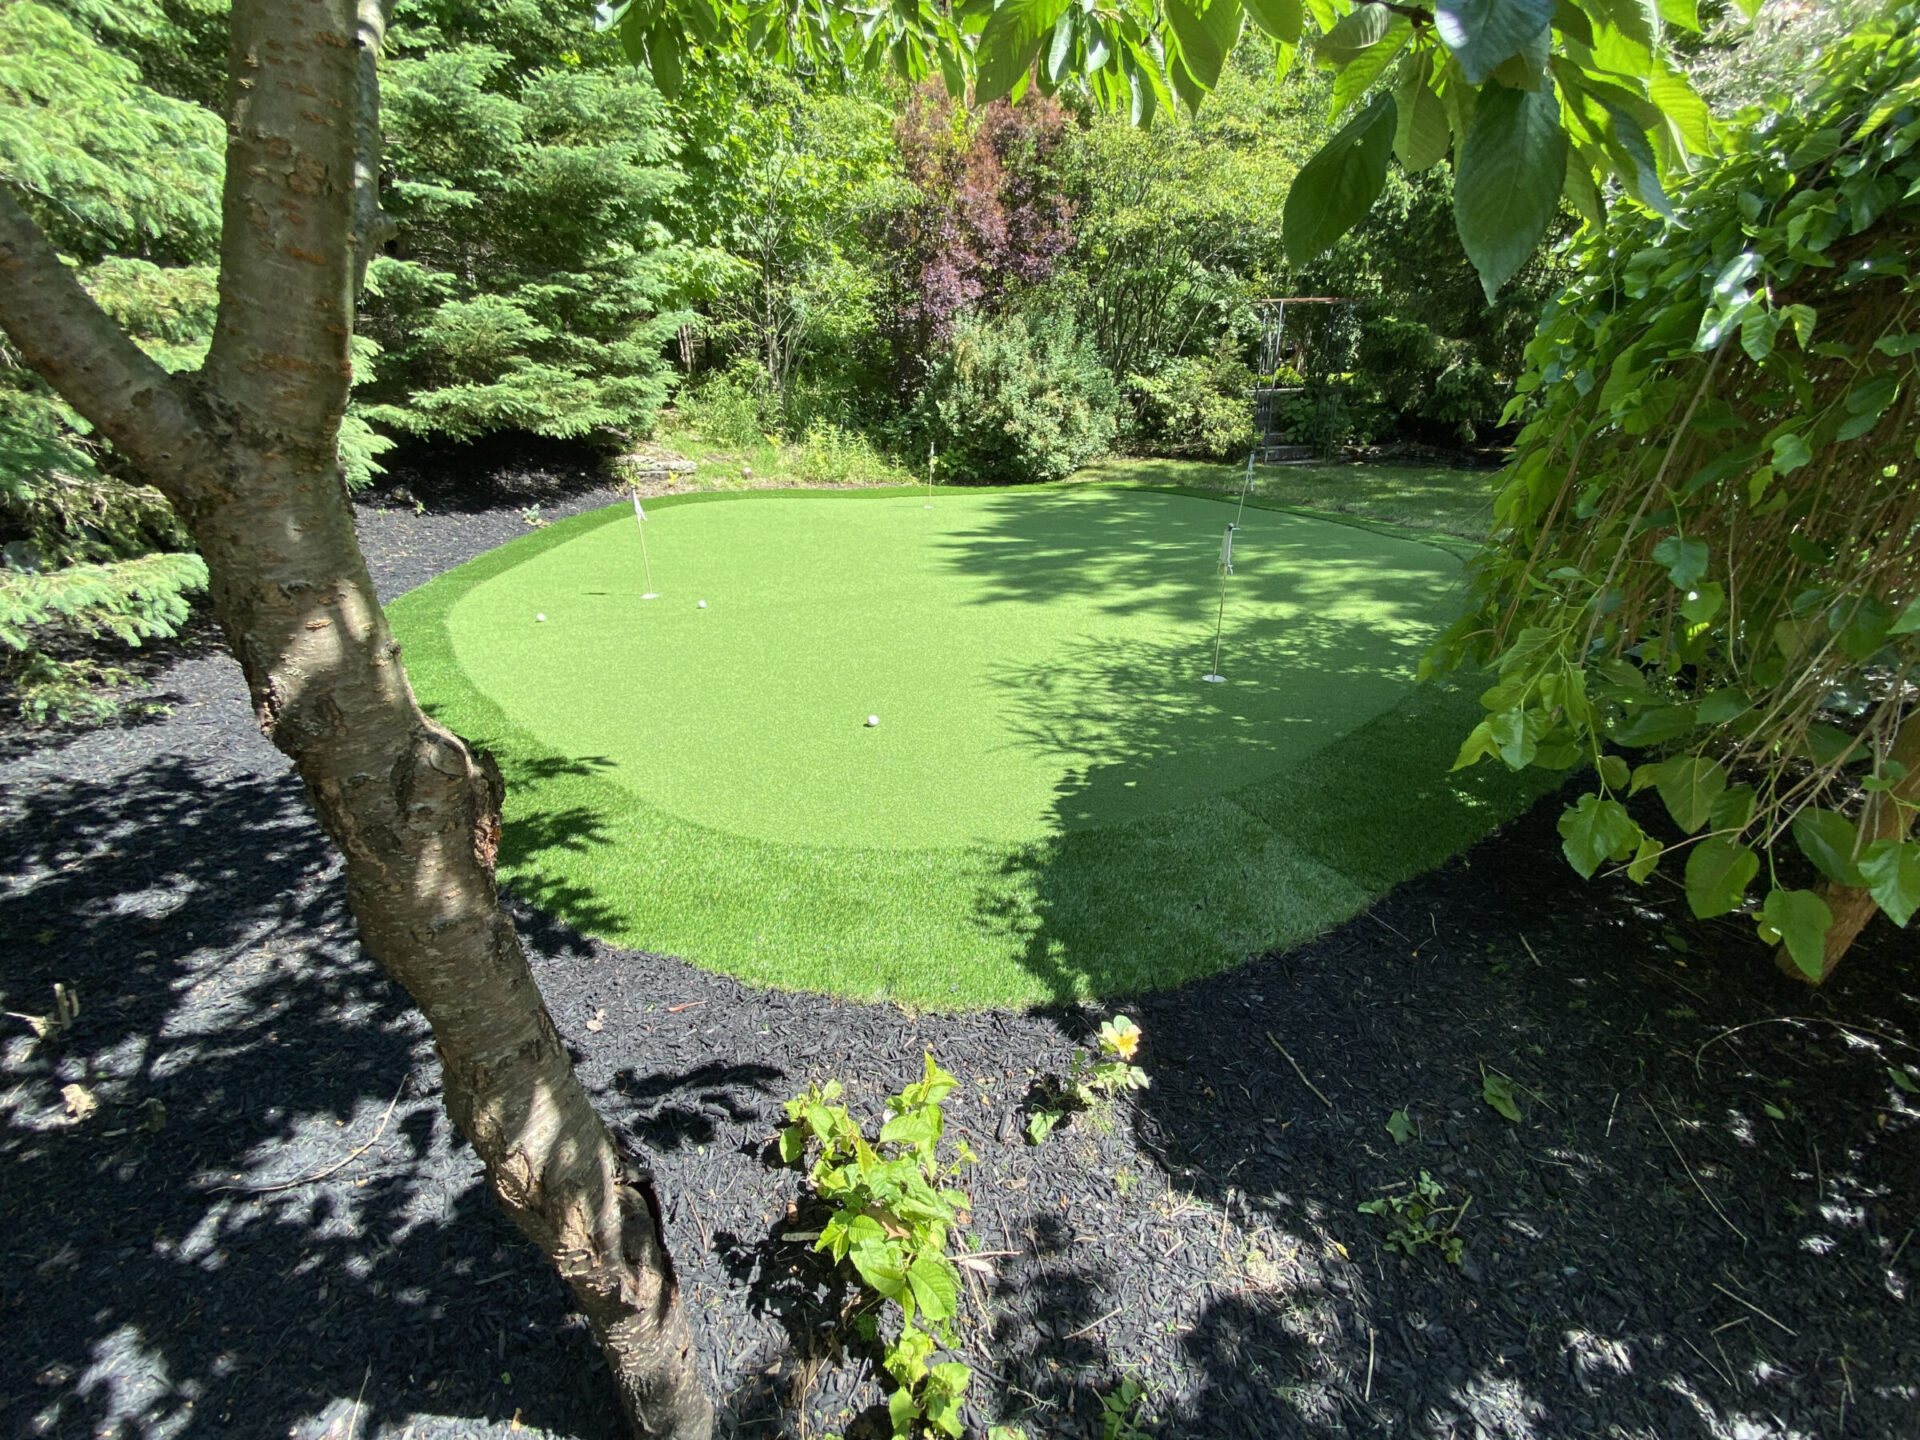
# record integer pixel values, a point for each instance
(1709, 549)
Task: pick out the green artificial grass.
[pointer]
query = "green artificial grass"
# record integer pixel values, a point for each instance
(1425, 499)
(1053, 806)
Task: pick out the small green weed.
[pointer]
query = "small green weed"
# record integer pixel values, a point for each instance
(890, 1215)
(1120, 1412)
(1094, 1077)
(1416, 1215)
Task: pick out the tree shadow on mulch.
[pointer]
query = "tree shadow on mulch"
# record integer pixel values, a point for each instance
(161, 1271)
(506, 468)
(1700, 1223)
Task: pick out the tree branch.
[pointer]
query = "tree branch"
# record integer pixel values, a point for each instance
(372, 226)
(77, 348)
(279, 358)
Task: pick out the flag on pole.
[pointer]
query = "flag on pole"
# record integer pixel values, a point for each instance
(640, 524)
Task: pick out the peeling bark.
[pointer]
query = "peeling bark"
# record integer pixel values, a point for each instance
(245, 449)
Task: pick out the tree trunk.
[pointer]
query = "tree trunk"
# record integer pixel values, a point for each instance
(1883, 817)
(245, 449)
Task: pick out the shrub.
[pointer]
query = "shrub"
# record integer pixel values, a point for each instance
(731, 407)
(1020, 400)
(832, 455)
(1194, 408)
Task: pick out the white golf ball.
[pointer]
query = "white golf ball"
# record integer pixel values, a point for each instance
(703, 604)
(873, 719)
(539, 617)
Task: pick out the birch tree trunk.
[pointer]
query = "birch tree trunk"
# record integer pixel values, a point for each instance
(245, 450)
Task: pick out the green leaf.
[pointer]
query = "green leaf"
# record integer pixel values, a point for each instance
(1718, 873)
(1800, 919)
(1790, 452)
(919, 1126)
(1339, 185)
(1689, 784)
(1358, 31)
(881, 1266)
(1421, 135)
(1010, 44)
(1206, 36)
(664, 57)
(1498, 1092)
(1645, 860)
(1686, 560)
(1507, 180)
(1732, 809)
(1614, 773)
(1891, 869)
(1902, 1079)
(793, 1143)
(1703, 602)
(1909, 620)
(1651, 724)
(1593, 830)
(1482, 33)
(1358, 75)
(1827, 838)
(903, 1410)
(1401, 1127)
(1282, 19)
(935, 1284)
(1681, 103)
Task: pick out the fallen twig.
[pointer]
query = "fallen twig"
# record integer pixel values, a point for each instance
(1691, 1176)
(689, 1005)
(331, 1169)
(1301, 1073)
(1798, 1020)
(1075, 1335)
(1756, 1310)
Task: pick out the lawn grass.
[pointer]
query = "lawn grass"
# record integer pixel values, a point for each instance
(1428, 499)
(1053, 806)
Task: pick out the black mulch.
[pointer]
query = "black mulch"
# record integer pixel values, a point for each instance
(1700, 1227)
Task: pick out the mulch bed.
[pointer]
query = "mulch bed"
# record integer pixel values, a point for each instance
(1700, 1225)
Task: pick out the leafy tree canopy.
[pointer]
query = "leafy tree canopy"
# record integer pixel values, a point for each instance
(1533, 99)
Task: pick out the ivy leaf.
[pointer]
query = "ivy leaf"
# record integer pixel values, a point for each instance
(1686, 560)
(1010, 44)
(1282, 19)
(1482, 33)
(1891, 869)
(1507, 180)
(1827, 838)
(1689, 784)
(1718, 873)
(1401, 1127)
(1339, 184)
(1593, 830)
(1799, 919)
(1497, 1091)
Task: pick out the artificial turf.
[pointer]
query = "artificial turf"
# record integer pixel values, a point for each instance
(1053, 804)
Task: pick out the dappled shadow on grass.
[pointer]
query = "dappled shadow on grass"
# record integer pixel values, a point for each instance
(169, 1271)
(1206, 822)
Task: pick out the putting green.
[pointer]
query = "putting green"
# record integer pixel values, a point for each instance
(1053, 803)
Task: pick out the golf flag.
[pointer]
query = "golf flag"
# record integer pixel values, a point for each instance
(640, 524)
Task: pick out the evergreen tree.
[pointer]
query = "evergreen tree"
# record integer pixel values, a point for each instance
(526, 287)
(125, 181)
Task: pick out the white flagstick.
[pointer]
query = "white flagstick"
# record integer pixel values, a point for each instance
(930, 459)
(1226, 568)
(640, 523)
